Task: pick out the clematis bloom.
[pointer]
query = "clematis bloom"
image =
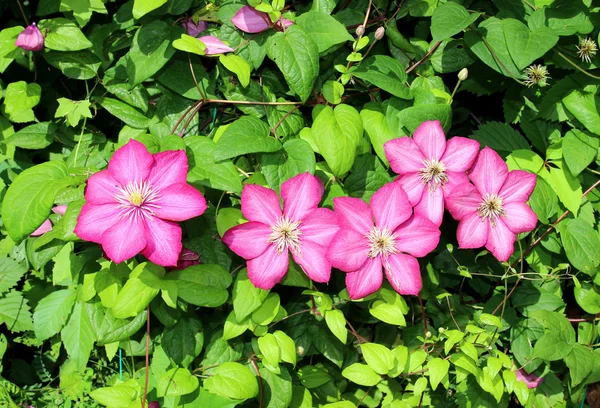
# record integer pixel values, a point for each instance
(302, 229)
(30, 39)
(192, 28)
(493, 209)
(430, 167)
(531, 380)
(214, 45)
(134, 205)
(383, 234)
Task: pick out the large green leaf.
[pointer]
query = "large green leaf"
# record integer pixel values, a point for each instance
(526, 46)
(11, 273)
(206, 171)
(386, 73)
(110, 329)
(63, 35)
(246, 297)
(361, 374)
(584, 105)
(143, 285)
(74, 64)
(78, 335)
(14, 312)
(377, 128)
(582, 245)
(246, 135)
(143, 7)
(579, 150)
(125, 112)
(183, 342)
(19, 99)
(175, 382)
(324, 30)
(177, 76)
(233, 380)
(296, 157)
(202, 285)
(449, 19)
(52, 313)
(35, 136)
(500, 136)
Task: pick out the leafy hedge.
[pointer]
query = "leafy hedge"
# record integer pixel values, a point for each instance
(261, 94)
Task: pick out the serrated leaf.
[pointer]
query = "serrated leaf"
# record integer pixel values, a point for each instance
(52, 313)
(11, 273)
(14, 312)
(78, 336)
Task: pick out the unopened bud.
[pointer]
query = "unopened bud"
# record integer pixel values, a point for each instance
(463, 74)
(154, 404)
(428, 334)
(30, 39)
(360, 31)
(441, 330)
(379, 33)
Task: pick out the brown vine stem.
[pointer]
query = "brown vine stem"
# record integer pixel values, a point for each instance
(284, 117)
(422, 60)
(367, 16)
(577, 66)
(225, 101)
(260, 384)
(145, 397)
(22, 12)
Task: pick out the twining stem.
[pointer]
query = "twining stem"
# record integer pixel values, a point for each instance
(22, 12)
(260, 384)
(422, 60)
(145, 397)
(366, 17)
(577, 66)
(225, 101)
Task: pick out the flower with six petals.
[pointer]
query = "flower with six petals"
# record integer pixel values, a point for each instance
(271, 234)
(493, 209)
(383, 234)
(134, 205)
(430, 167)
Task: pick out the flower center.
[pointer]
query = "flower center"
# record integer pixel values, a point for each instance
(491, 207)
(382, 242)
(138, 197)
(285, 234)
(434, 174)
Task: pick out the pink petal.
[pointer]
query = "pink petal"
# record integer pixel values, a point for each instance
(518, 186)
(403, 273)
(313, 261)
(180, 202)
(390, 206)
(163, 241)
(489, 172)
(454, 179)
(130, 163)
(60, 209)
(404, 155)
(169, 167)
(366, 280)
(472, 231)
(320, 227)
(531, 380)
(460, 154)
(248, 240)
(519, 217)
(463, 200)
(417, 237)
(260, 204)
(284, 23)
(413, 186)
(125, 239)
(250, 20)
(353, 213)
(431, 206)
(348, 250)
(301, 195)
(214, 45)
(431, 140)
(501, 241)
(192, 28)
(268, 269)
(94, 220)
(30, 39)
(101, 188)
(42, 229)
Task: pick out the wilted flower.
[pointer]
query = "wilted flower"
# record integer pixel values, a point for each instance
(30, 39)
(214, 45)
(531, 380)
(192, 28)
(536, 74)
(429, 167)
(133, 205)
(384, 234)
(493, 210)
(47, 225)
(587, 49)
(269, 237)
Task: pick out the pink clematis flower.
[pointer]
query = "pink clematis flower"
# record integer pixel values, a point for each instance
(383, 234)
(30, 39)
(214, 45)
(47, 225)
(192, 28)
(531, 380)
(493, 210)
(301, 229)
(133, 205)
(429, 167)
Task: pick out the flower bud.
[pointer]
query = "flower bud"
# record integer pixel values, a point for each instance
(250, 20)
(360, 31)
(192, 28)
(441, 330)
(214, 45)
(427, 334)
(30, 39)
(380, 33)
(463, 74)
(154, 404)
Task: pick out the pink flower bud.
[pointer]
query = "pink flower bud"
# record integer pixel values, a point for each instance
(187, 257)
(45, 227)
(360, 30)
(214, 45)
(154, 404)
(284, 23)
(379, 33)
(531, 380)
(250, 20)
(192, 28)
(30, 39)
(59, 209)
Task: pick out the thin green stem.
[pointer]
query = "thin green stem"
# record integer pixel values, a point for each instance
(577, 66)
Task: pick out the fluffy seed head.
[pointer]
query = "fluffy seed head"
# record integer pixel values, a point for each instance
(536, 75)
(587, 49)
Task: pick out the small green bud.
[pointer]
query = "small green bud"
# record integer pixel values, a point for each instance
(463, 74)
(441, 330)
(428, 334)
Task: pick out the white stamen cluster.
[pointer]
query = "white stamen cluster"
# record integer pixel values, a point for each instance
(433, 174)
(536, 74)
(491, 208)
(587, 49)
(285, 234)
(382, 242)
(138, 198)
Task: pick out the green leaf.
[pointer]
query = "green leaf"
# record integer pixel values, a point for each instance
(287, 347)
(63, 35)
(126, 113)
(377, 128)
(187, 43)
(19, 99)
(582, 246)
(500, 136)
(232, 380)
(238, 66)
(337, 324)
(150, 51)
(30, 197)
(177, 76)
(526, 46)
(465, 362)
(333, 91)
(587, 297)
(543, 201)
(11, 273)
(565, 17)
(120, 395)
(175, 382)
(491, 320)
(78, 336)
(269, 348)
(183, 342)
(202, 285)
(267, 312)
(143, 285)
(233, 328)
(73, 110)
(246, 297)
(361, 374)
(143, 7)
(278, 393)
(109, 329)
(324, 30)
(340, 131)
(412, 117)
(438, 369)
(366, 177)
(449, 19)
(579, 150)
(82, 9)
(74, 64)
(386, 73)
(10, 51)
(378, 357)
(14, 312)
(52, 313)
(36, 136)
(205, 170)
(565, 185)
(580, 363)
(389, 313)
(297, 57)
(296, 158)
(313, 377)
(246, 135)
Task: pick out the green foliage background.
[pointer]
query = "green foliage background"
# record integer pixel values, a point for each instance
(116, 70)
